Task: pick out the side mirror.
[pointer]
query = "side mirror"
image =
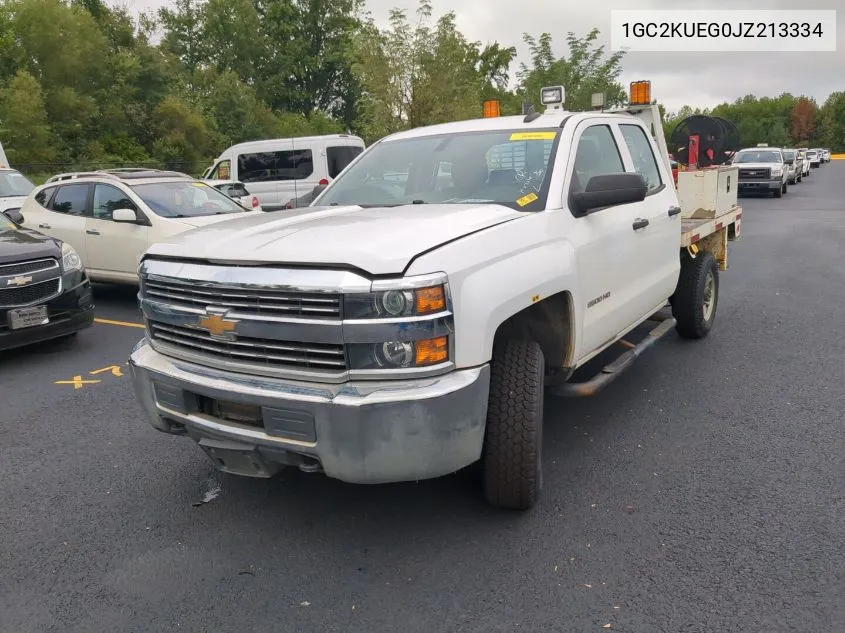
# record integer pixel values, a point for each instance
(609, 190)
(124, 215)
(14, 215)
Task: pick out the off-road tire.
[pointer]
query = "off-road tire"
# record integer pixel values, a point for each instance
(699, 276)
(513, 442)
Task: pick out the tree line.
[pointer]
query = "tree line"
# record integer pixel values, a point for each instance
(85, 85)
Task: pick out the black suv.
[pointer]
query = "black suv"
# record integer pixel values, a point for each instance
(44, 290)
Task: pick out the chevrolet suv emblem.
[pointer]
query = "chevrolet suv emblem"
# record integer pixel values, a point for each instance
(18, 281)
(218, 325)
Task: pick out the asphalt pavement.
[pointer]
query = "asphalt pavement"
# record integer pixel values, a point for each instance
(702, 492)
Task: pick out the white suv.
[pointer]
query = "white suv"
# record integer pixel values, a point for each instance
(112, 217)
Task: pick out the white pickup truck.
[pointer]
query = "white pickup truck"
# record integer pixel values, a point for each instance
(405, 326)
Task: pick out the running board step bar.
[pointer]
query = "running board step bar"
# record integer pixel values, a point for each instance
(612, 371)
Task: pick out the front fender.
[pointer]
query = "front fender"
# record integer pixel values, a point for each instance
(498, 272)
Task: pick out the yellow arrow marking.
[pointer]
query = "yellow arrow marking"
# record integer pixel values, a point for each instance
(77, 382)
(114, 369)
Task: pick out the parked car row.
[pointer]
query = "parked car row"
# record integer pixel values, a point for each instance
(771, 170)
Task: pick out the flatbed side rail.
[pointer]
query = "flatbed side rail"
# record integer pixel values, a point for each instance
(712, 234)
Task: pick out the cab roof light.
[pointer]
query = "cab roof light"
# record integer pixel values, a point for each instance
(640, 93)
(553, 97)
(492, 109)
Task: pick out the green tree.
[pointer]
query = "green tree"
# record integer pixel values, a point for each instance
(26, 133)
(585, 70)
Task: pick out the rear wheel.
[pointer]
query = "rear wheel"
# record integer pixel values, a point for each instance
(697, 295)
(511, 468)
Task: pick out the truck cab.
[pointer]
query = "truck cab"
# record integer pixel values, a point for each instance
(762, 169)
(407, 324)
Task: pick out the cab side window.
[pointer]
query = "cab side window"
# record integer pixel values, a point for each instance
(597, 155)
(71, 200)
(108, 198)
(645, 163)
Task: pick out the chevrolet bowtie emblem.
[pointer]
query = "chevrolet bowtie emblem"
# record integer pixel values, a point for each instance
(217, 324)
(18, 281)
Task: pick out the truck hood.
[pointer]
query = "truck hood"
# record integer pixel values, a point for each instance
(19, 244)
(378, 240)
(11, 202)
(756, 165)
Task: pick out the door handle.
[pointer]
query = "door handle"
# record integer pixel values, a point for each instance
(640, 223)
(673, 211)
(92, 232)
(43, 226)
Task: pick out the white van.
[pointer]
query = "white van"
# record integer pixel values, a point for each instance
(278, 170)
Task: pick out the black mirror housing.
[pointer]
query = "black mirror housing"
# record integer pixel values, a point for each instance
(609, 190)
(14, 215)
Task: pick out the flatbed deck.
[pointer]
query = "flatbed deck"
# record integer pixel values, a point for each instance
(695, 229)
(712, 234)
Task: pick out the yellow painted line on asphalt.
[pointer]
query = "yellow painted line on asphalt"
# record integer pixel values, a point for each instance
(121, 323)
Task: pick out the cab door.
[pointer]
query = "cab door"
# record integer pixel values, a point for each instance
(114, 248)
(605, 240)
(657, 243)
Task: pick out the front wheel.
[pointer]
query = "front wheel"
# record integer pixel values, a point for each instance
(513, 442)
(697, 295)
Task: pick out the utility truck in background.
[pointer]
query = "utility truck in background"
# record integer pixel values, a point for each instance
(408, 323)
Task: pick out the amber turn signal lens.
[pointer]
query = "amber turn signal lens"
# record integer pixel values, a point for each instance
(432, 351)
(430, 300)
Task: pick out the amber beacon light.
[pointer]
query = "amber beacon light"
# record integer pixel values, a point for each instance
(640, 93)
(492, 108)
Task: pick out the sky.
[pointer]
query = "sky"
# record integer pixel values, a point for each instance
(678, 79)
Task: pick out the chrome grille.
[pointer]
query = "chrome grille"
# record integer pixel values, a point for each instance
(21, 268)
(26, 295)
(761, 173)
(256, 351)
(245, 300)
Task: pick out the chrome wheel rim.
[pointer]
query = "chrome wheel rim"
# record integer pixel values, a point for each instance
(709, 296)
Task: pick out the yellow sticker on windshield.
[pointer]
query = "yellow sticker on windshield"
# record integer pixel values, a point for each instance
(531, 197)
(198, 184)
(533, 136)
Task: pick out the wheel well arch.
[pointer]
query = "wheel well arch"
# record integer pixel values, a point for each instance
(550, 323)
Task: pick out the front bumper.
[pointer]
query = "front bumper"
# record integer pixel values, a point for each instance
(358, 432)
(760, 185)
(71, 311)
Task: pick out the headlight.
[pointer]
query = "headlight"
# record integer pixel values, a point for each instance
(399, 354)
(392, 304)
(70, 258)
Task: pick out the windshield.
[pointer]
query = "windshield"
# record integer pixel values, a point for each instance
(13, 183)
(758, 157)
(508, 167)
(185, 199)
(789, 155)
